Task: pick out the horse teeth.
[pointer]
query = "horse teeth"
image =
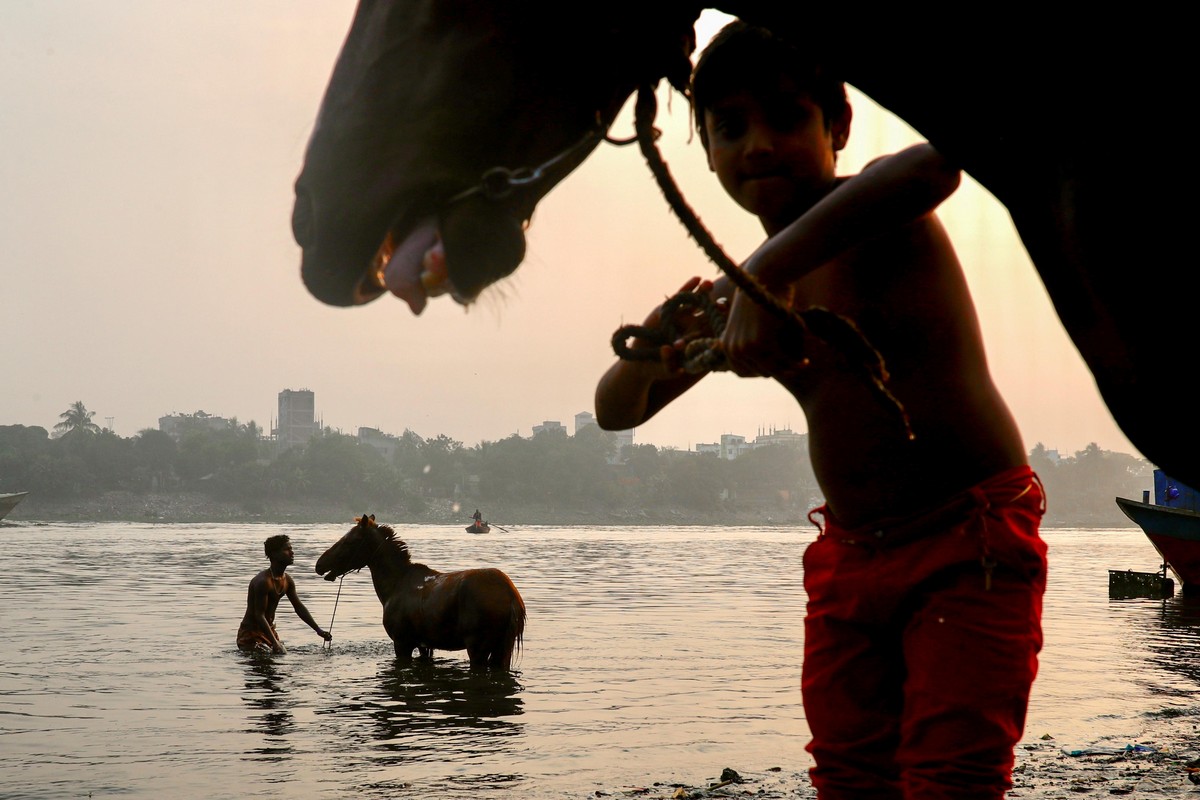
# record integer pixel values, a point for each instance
(434, 285)
(379, 263)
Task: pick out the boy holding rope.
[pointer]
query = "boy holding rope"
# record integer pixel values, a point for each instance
(926, 578)
(257, 631)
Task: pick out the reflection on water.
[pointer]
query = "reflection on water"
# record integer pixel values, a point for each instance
(418, 711)
(1174, 644)
(650, 654)
(431, 696)
(270, 707)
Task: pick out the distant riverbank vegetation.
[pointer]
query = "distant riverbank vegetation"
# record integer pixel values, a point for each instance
(83, 472)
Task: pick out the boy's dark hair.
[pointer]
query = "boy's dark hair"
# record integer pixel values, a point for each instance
(275, 543)
(744, 57)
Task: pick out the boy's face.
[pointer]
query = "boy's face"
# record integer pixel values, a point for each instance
(773, 151)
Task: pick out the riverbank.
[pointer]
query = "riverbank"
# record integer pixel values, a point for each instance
(197, 507)
(1164, 763)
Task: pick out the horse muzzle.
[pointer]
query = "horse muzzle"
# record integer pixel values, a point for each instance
(475, 244)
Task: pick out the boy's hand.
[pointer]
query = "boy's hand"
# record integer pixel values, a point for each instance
(756, 341)
(688, 322)
(324, 634)
(634, 389)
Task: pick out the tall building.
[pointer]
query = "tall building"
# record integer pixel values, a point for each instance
(297, 422)
(547, 426)
(583, 419)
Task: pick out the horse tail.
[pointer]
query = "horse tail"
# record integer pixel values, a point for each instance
(515, 634)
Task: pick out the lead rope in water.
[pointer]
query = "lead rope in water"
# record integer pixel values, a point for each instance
(829, 326)
(329, 642)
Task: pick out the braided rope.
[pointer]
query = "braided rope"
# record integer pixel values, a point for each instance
(702, 354)
(836, 329)
(329, 642)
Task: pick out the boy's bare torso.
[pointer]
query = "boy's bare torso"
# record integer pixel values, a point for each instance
(907, 294)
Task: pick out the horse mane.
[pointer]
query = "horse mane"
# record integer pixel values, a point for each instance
(401, 547)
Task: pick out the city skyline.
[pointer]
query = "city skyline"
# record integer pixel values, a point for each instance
(715, 443)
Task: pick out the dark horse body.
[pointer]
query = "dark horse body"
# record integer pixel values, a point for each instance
(1057, 111)
(477, 610)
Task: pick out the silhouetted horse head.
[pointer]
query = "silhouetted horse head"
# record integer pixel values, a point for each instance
(430, 96)
(355, 550)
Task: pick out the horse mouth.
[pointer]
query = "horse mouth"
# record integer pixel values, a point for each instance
(472, 243)
(471, 246)
(327, 573)
(413, 268)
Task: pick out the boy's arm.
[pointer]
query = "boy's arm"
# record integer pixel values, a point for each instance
(302, 611)
(631, 392)
(889, 193)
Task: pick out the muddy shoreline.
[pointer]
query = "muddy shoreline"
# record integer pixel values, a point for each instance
(1163, 763)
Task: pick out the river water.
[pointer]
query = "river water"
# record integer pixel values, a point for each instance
(651, 654)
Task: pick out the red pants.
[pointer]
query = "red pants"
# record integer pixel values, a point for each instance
(921, 643)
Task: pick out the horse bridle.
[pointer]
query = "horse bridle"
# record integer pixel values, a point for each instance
(498, 183)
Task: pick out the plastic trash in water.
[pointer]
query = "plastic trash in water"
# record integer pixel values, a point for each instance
(1109, 751)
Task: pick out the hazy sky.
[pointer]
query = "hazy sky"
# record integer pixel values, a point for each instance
(147, 155)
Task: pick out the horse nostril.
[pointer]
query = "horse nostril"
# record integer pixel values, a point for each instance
(302, 218)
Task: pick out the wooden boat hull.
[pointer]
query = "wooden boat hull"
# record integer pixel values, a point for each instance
(1175, 534)
(479, 529)
(9, 500)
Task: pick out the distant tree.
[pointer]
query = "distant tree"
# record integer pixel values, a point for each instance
(155, 452)
(246, 482)
(110, 459)
(441, 470)
(337, 465)
(507, 469)
(76, 418)
(777, 474)
(407, 458)
(695, 482)
(20, 448)
(1039, 460)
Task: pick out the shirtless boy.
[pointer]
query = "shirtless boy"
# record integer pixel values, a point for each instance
(257, 631)
(925, 582)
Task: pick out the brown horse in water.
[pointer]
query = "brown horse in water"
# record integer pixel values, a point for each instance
(479, 610)
(451, 119)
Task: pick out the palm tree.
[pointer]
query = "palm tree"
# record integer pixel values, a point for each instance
(76, 418)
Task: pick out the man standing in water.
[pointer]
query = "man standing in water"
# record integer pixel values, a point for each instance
(257, 631)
